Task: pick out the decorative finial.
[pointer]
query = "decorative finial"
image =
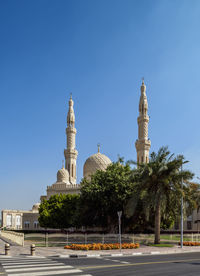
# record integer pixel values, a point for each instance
(142, 80)
(98, 145)
(63, 164)
(71, 95)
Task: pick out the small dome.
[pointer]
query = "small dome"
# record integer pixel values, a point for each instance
(35, 207)
(95, 162)
(63, 175)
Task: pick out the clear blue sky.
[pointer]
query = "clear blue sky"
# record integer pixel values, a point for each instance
(99, 51)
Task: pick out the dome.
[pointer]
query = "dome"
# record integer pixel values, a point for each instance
(95, 162)
(35, 207)
(63, 175)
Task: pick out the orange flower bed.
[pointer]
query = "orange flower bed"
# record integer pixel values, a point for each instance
(101, 246)
(189, 243)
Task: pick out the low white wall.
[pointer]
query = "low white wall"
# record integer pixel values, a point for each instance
(13, 236)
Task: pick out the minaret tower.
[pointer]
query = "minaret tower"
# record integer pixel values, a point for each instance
(143, 144)
(71, 152)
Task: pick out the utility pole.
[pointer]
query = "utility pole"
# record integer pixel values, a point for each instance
(182, 203)
(119, 213)
(182, 208)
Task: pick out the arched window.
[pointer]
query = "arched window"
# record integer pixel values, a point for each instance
(72, 170)
(142, 159)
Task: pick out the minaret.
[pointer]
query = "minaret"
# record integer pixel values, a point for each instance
(71, 152)
(143, 144)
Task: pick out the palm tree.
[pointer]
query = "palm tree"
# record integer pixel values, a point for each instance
(158, 183)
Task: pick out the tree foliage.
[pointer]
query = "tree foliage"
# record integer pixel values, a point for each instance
(106, 194)
(158, 185)
(149, 197)
(60, 211)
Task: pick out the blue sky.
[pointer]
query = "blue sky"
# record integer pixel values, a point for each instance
(99, 51)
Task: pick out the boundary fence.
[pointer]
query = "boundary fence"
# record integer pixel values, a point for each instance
(60, 239)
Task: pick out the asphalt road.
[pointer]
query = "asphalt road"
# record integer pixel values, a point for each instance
(172, 264)
(162, 265)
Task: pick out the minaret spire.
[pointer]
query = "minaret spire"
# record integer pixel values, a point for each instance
(98, 146)
(143, 144)
(71, 152)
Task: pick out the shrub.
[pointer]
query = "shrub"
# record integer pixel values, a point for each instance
(189, 243)
(101, 246)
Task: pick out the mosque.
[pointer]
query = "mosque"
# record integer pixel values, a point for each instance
(67, 178)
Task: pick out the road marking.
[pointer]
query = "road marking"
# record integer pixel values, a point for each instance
(137, 264)
(21, 263)
(44, 273)
(32, 265)
(37, 268)
(124, 262)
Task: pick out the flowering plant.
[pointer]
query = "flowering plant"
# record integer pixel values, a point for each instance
(189, 243)
(101, 246)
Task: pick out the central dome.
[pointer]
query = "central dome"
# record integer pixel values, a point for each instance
(62, 175)
(95, 162)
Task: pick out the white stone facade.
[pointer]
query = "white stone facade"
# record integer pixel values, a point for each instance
(143, 144)
(20, 219)
(95, 162)
(71, 153)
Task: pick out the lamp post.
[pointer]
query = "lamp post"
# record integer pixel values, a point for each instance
(182, 204)
(182, 208)
(119, 213)
(198, 208)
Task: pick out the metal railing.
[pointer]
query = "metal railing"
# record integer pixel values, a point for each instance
(60, 239)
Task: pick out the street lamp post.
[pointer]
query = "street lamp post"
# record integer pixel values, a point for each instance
(182, 208)
(182, 204)
(198, 214)
(119, 213)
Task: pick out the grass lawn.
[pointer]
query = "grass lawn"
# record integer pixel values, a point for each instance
(161, 245)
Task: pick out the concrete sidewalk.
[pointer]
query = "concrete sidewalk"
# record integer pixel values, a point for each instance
(16, 250)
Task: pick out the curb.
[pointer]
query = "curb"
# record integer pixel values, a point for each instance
(105, 255)
(120, 254)
(75, 256)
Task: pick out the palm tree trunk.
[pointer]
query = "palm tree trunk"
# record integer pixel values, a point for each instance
(157, 223)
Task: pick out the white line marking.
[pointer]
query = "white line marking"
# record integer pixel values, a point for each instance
(124, 262)
(44, 273)
(38, 268)
(22, 263)
(28, 265)
(24, 260)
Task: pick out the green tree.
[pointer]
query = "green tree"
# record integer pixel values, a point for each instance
(158, 184)
(106, 193)
(60, 211)
(194, 203)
